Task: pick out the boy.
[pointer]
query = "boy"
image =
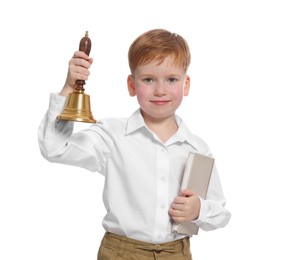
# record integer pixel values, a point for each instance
(142, 157)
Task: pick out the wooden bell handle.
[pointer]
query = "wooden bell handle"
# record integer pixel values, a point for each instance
(85, 46)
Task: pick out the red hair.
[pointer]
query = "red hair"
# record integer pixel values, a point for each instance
(155, 45)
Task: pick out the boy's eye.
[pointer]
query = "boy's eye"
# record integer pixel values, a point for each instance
(148, 80)
(172, 80)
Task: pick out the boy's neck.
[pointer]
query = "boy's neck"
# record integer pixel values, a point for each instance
(163, 128)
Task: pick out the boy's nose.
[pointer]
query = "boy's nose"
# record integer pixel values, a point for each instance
(159, 89)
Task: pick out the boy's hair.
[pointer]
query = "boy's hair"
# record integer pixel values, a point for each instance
(155, 45)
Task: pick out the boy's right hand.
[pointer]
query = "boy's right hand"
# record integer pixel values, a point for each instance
(78, 69)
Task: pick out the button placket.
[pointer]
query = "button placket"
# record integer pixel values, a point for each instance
(162, 191)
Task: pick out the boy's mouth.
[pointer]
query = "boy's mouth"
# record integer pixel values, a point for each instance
(160, 102)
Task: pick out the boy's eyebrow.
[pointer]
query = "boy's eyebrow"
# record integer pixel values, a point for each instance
(152, 74)
(174, 75)
(145, 75)
(149, 75)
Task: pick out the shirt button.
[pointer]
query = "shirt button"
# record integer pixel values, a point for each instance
(159, 236)
(162, 206)
(162, 178)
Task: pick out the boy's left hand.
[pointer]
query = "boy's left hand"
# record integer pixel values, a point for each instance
(186, 207)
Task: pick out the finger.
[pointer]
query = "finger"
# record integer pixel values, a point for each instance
(77, 76)
(73, 76)
(187, 193)
(177, 206)
(175, 213)
(81, 70)
(177, 216)
(80, 54)
(179, 220)
(80, 63)
(76, 70)
(179, 200)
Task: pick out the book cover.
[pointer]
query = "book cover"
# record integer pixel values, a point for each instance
(196, 177)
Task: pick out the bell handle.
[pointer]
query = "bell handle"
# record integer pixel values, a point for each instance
(85, 46)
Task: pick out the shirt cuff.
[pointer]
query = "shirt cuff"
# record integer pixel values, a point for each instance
(203, 213)
(56, 105)
(57, 101)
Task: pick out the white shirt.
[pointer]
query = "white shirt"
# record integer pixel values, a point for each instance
(142, 174)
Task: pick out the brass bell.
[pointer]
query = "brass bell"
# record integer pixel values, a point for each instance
(77, 107)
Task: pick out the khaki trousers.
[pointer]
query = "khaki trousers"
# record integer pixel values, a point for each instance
(115, 247)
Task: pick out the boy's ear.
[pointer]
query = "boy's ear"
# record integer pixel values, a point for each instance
(131, 86)
(187, 85)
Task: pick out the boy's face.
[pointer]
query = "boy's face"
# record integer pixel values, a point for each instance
(159, 88)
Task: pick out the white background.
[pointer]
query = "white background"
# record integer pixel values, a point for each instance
(239, 103)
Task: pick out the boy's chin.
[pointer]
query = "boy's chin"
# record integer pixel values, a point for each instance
(157, 115)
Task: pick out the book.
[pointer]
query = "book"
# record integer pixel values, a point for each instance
(196, 177)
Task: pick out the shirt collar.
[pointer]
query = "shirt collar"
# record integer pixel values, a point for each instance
(135, 122)
(183, 134)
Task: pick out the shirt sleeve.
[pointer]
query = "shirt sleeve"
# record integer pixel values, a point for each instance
(89, 148)
(213, 213)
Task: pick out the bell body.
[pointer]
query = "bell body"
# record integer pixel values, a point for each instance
(77, 108)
